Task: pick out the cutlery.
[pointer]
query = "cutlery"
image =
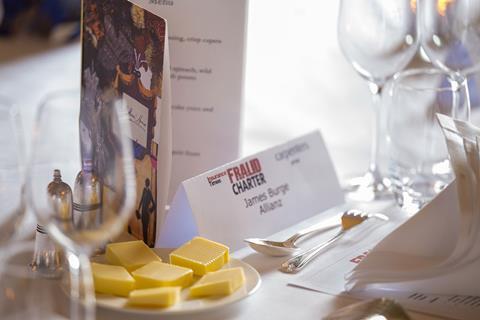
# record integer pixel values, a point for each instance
(350, 219)
(287, 247)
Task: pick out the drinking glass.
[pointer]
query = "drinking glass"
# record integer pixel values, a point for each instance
(25, 294)
(418, 158)
(379, 38)
(11, 171)
(96, 204)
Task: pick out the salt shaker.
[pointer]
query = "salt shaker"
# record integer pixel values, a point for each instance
(47, 257)
(87, 198)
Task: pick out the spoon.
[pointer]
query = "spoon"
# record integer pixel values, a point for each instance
(350, 219)
(287, 247)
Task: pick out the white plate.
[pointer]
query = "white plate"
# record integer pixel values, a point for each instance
(185, 305)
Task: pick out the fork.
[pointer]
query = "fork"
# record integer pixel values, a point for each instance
(350, 219)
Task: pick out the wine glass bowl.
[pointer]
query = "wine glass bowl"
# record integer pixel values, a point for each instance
(379, 38)
(450, 33)
(101, 199)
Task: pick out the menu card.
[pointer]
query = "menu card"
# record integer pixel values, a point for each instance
(254, 196)
(207, 51)
(125, 52)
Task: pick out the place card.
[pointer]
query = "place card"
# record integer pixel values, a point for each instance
(125, 53)
(254, 196)
(207, 50)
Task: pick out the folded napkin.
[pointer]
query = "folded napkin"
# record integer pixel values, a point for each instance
(438, 250)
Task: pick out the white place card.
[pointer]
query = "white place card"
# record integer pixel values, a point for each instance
(207, 57)
(254, 196)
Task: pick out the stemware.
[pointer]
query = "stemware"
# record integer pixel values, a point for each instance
(11, 171)
(96, 207)
(450, 38)
(450, 33)
(379, 38)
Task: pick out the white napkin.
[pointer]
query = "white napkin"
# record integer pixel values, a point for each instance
(438, 250)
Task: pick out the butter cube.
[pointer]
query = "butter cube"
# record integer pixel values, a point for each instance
(201, 255)
(159, 274)
(112, 279)
(222, 282)
(154, 297)
(130, 254)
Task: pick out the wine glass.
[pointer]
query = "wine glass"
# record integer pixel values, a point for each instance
(450, 37)
(80, 203)
(450, 33)
(25, 294)
(11, 171)
(379, 38)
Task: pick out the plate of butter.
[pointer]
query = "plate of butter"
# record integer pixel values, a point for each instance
(197, 277)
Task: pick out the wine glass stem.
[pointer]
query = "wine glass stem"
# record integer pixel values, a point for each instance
(82, 294)
(376, 91)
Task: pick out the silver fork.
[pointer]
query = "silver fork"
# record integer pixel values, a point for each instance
(350, 219)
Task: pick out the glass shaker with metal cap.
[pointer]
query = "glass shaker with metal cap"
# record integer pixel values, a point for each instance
(47, 259)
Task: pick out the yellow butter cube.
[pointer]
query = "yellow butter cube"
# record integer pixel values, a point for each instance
(154, 297)
(201, 255)
(131, 254)
(112, 279)
(159, 274)
(222, 282)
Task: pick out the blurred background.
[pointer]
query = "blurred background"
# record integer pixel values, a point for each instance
(297, 79)
(31, 26)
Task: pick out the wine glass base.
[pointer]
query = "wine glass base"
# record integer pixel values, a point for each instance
(368, 187)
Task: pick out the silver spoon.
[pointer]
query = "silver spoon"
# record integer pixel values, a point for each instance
(350, 219)
(287, 247)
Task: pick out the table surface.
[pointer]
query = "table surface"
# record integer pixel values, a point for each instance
(293, 52)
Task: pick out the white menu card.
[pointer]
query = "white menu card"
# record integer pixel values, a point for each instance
(254, 196)
(207, 54)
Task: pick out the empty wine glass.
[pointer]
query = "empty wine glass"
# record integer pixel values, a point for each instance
(450, 33)
(11, 171)
(96, 202)
(450, 37)
(379, 38)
